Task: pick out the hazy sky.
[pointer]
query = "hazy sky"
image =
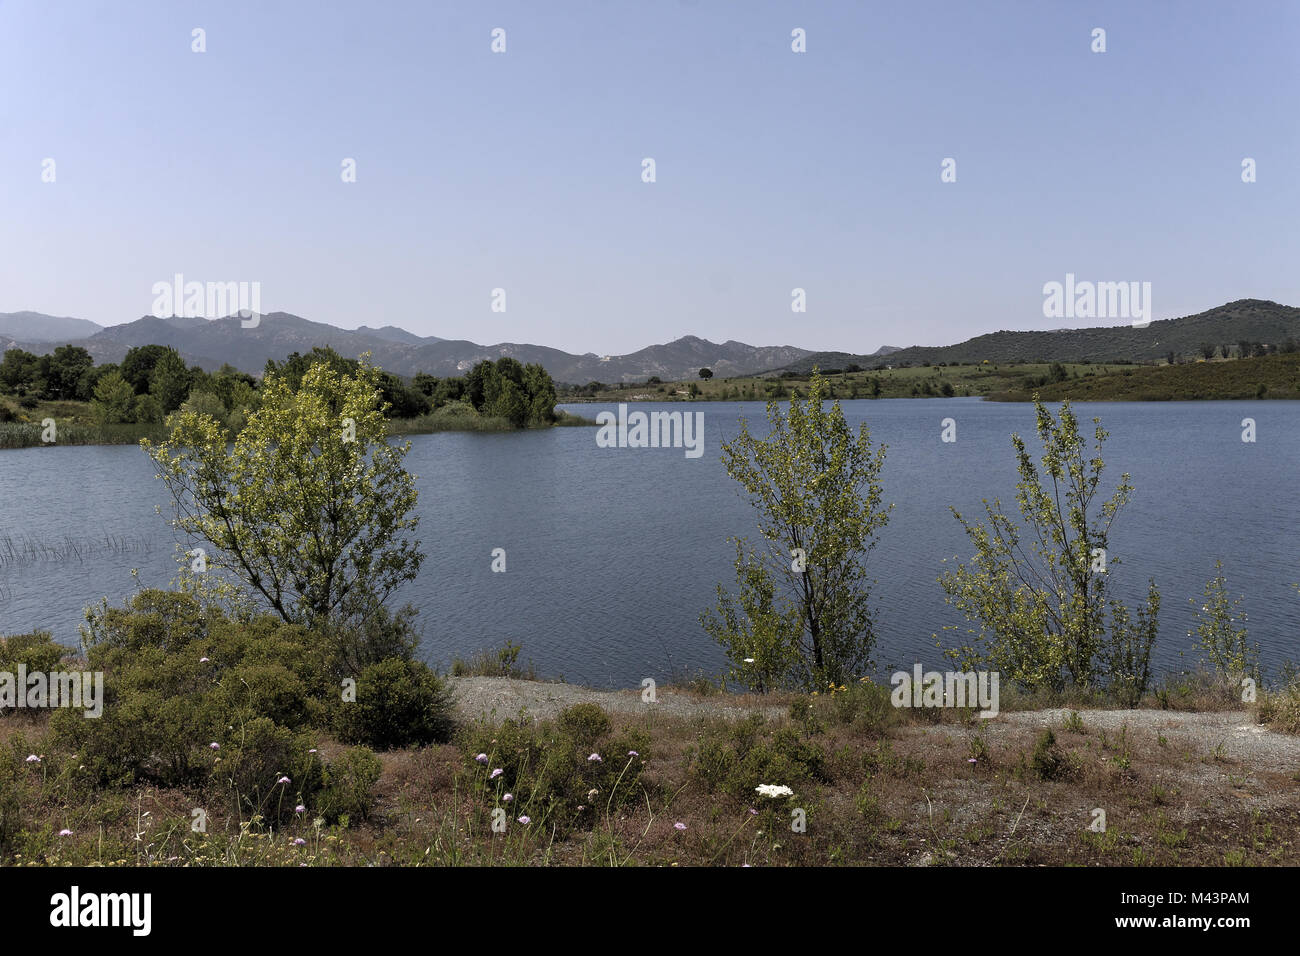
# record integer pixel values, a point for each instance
(775, 169)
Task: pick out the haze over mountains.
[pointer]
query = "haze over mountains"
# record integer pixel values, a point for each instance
(213, 342)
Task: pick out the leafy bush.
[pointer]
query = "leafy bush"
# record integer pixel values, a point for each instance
(1222, 635)
(349, 782)
(177, 678)
(1281, 707)
(38, 651)
(1047, 761)
(262, 755)
(551, 775)
(735, 759)
(399, 703)
(584, 723)
(365, 634)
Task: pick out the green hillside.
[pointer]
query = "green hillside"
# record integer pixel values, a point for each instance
(1272, 376)
(1225, 330)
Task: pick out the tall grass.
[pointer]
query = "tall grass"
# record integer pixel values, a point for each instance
(28, 434)
(31, 550)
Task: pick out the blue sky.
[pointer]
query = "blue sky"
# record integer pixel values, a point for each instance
(775, 170)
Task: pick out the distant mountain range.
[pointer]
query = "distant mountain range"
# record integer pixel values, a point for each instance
(1251, 320)
(212, 342)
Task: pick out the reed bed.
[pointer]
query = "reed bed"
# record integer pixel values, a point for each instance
(16, 552)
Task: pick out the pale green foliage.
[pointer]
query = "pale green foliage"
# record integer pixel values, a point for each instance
(816, 487)
(1031, 586)
(113, 398)
(299, 510)
(1221, 638)
(760, 637)
(206, 403)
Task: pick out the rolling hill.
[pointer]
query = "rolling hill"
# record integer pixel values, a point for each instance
(1253, 320)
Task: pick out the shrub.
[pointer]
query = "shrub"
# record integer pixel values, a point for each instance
(178, 677)
(11, 811)
(1281, 707)
(349, 782)
(365, 634)
(501, 662)
(262, 754)
(36, 652)
(1222, 635)
(551, 774)
(399, 703)
(584, 723)
(736, 759)
(1047, 761)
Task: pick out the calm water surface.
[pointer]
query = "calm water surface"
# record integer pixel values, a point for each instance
(613, 553)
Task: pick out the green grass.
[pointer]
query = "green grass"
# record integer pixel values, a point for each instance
(1269, 376)
(918, 382)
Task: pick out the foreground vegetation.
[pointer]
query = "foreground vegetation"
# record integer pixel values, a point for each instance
(867, 783)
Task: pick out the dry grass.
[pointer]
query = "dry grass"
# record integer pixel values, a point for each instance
(889, 788)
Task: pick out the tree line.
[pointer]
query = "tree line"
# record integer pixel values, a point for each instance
(153, 381)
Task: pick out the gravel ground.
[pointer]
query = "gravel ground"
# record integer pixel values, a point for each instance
(502, 697)
(1233, 733)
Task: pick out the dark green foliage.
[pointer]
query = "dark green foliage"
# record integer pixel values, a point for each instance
(1047, 761)
(349, 781)
(38, 651)
(551, 774)
(398, 704)
(584, 723)
(65, 374)
(260, 755)
(137, 368)
(734, 759)
(1277, 375)
(164, 704)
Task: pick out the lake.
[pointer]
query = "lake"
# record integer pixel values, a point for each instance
(613, 553)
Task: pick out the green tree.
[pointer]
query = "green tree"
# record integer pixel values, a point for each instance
(146, 410)
(205, 403)
(66, 368)
(169, 381)
(802, 611)
(1221, 632)
(541, 394)
(311, 506)
(706, 373)
(19, 370)
(138, 365)
(112, 400)
(1038, 587)
(293, 368)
